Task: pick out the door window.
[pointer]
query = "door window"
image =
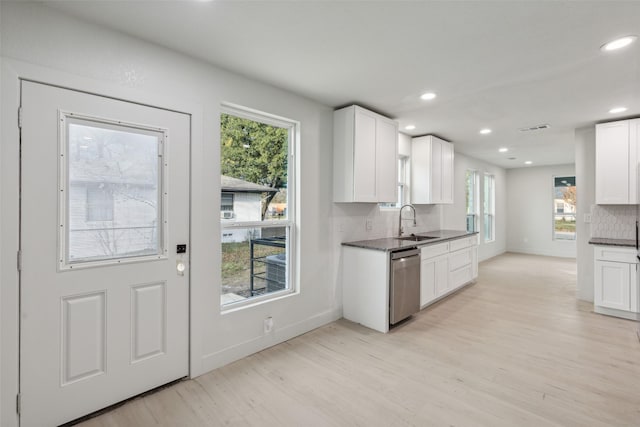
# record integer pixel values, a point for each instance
(110, 192)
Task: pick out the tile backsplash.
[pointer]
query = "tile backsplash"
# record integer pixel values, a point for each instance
(614, 221)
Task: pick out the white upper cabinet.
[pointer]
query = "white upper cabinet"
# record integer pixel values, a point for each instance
(365, 151)
(617, 163)
(431, 171)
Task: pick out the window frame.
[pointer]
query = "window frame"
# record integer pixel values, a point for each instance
(475, 189)
(404, 190)
(290, 223)
(223, 208)
(65, 120)
(554, 207)
(489, 207)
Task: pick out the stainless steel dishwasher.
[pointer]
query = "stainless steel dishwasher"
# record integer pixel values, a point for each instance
(404, 286)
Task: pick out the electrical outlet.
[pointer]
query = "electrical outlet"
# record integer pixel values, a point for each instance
(268, 325)
(368, 224)
(587, 218)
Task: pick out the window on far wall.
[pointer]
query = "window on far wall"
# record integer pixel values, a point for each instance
(256, 203)
(564, 208)
(489, 208)
(403, 184)
(472, 192)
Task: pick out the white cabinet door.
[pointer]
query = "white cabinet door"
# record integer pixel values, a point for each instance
(386, 164)
(364, 157)
(616, 164)
(447, 173)
(442, 284)
(421, 170)
(434, 280)
(431, 170)
(613, 284)
(427, 281)
(436, 170)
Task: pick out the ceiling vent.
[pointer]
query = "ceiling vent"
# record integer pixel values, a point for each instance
(532, 128)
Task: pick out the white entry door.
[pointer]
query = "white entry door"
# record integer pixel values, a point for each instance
(104, 285)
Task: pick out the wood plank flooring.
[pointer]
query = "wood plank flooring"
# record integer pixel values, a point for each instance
(514, 349)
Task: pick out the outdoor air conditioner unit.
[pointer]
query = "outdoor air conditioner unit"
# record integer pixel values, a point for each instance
(226, 214)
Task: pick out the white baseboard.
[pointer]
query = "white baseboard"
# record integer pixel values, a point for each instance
(544, 252)
(617, 313)
(231, 354)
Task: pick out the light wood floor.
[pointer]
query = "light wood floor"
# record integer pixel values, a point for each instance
(515, 349)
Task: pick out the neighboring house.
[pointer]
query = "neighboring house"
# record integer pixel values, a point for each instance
(241, 201)
(112, 219)
(564, 211)
(113, 194)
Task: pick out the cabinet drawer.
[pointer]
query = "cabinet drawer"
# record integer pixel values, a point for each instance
(434, 250)
(455, 245)
(460, 277)
(460, 259)
(616, 254)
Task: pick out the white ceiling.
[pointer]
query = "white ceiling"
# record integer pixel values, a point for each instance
(501, 64)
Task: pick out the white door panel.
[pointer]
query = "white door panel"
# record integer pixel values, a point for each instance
(104, 202)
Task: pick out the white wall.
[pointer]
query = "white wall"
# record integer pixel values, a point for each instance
(529, 211)
(585, 140)
(454, 216)
(36, 39)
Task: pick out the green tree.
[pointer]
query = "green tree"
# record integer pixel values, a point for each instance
(569, 195)
(255, 152)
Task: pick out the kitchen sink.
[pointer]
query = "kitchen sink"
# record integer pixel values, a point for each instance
(414, 238)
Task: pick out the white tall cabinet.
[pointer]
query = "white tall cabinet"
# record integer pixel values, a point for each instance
(365, 152)
(431, 170)
(617, 156)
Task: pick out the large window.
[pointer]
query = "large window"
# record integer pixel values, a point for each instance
(256, 208)
(472, 191)
(489, 208)
(564, 208)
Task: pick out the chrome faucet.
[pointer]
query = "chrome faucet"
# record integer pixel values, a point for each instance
(400, 219)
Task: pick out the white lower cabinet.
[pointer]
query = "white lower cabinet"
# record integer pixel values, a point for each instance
(444, 267)
(434, 278)
(616, 282)
(447, 267)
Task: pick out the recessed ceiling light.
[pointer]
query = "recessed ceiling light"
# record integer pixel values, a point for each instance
(410, 127)
(618, 110)
(528, 162)
(618, 43)
(428, 96)
(503, 149)
(485, 131)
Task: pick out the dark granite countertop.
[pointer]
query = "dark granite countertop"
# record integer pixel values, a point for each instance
(391, 244)
(612, 242)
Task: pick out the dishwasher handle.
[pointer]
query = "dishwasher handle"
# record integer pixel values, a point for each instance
(405, 253)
